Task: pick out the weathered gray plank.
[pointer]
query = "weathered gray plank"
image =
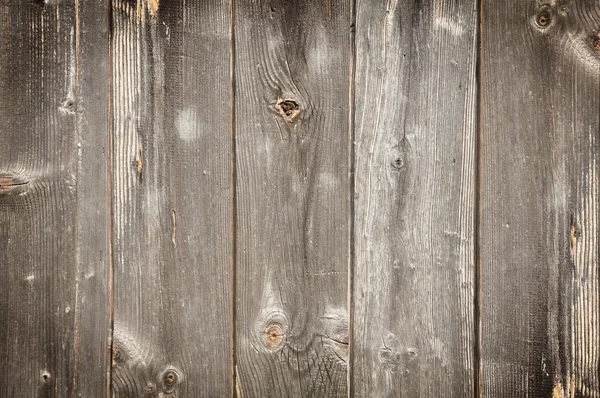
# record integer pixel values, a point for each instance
(172, 198)
(539, 199)
(292, 196)
(54, 246)
(414, 199)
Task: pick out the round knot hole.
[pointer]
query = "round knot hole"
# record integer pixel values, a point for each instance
(288, 109)
(543, 19)
(274, 335)
(398, 163)
(170, 378)
(45, 376)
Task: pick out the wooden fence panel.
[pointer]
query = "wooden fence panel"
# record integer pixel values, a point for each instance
(292, 77)
(539, 199)
(54, 210)
(299, 198)
(172, 198)
(414, 286)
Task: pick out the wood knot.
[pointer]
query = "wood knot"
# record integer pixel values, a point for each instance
(169, 378)
(595, 41)
(563, 10)
(273, 335)
(411, 352)
(8, 184)
(397, 163)
(544, 18)
(394, 356)
(117, 357)
(289, 109)
(271, 330)
(399, 156)
(67, 107)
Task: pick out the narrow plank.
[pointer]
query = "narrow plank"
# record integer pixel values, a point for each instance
(539, 199)
(54, 212)
(292, 76)
(414, 199)
(172, 198)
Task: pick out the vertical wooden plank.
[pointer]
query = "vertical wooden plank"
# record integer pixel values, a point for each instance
(292, 74)
(93, 310)
(172, 198)
(539, 199)
(54, 246)
(414, 199)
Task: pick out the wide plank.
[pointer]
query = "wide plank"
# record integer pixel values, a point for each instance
(292, 87)
(540, 70)
(54, 208)
(415, 161)
(172, 198)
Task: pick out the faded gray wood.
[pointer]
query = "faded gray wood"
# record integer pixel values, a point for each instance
(172, 198)
(415, 187)
(539, 199)
(292, 77)
(54, 209)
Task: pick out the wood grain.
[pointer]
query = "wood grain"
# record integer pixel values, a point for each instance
(414, 199)
(292, 77)
(539, 199)
(172, 198)
(54, 211)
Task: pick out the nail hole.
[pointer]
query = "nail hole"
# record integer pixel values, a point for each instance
(45, 376)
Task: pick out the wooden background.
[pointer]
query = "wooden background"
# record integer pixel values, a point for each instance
(311, 198)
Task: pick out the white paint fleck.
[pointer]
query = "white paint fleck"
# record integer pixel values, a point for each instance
(186, 125)
(328, 180)
(167, 32)
(67, 107)
(451, 27)
(318, 54)
(442, 20)
(30, 278)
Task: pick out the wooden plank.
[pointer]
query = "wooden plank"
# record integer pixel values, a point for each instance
(54, 211)
(172, 198)
(292, 76)
(414, 199)
(539, 199)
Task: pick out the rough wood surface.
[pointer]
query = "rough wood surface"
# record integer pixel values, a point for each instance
(54, 247)
(299, 198)
(292, 76)
(414, 291)
(539, 199)
(172, 198)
